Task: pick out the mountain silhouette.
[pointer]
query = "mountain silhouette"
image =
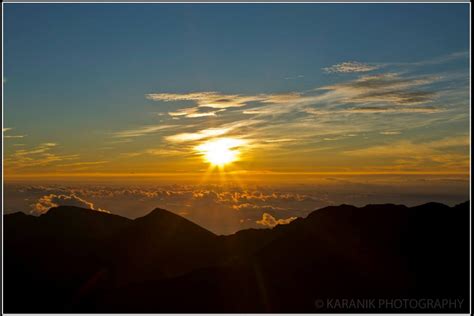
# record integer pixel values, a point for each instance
(77, 260)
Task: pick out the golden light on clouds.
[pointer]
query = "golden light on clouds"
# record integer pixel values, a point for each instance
(186, 137)
(222, 151)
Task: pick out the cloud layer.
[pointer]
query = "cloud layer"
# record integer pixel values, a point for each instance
(228, 208)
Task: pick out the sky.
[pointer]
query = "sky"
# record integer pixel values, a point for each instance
(296, 93)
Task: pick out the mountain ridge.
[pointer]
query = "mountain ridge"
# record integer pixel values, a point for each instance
(90, 261)
(159, 212)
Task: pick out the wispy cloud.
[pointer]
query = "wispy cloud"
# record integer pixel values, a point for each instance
(351, 67)
(202, 134)
(162, 151)
(452, 153)
(6, 129)
(374, 110)
(355, 66)
(83, 164)
(141, 131)
(436, 60)
(294, 77)
(410, 148)
(193, 112)
(389, 88)
(382, 93)
(390, 133)
(40, 155)
(204, 99)
(210, 103)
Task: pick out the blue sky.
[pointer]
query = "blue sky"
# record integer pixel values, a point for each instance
(77, 73)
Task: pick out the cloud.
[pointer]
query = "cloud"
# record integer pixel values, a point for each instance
(256, 111)
(219, 101)
(53, 200)
(350, 67)
(388, 88)
(206, 133)
(363, 100)
(216, 207)
(165, 152)
(40, 155)
(453, 141)
(294, 77)
(390, 133)
(6, 129)
(410, 148)
(382, 93)
(449, 153)
(388, 93)
(40, 149)
(221, 208)
(193, 112)
(249, 207)
(437, 60)
(392, 109)
(354, 66)
(270, 221)
(204, 99)
(141, 131)
(83, 165)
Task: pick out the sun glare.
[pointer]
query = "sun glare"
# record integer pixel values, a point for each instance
(219, 152)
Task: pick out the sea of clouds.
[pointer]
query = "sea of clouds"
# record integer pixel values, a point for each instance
(225, 209)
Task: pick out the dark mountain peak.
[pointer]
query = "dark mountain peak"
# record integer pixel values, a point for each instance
(340, 207)
(330, 209)
(159, 212)
(160, 215)
(384, 206)
(432, 206)
(19, 218)
(463, 205)
(16, 215)
(349, 209)
(160, 219)
(77, 218)
(67, 210)
(435, 204)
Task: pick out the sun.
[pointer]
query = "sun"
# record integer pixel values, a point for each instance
(222, 151)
